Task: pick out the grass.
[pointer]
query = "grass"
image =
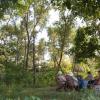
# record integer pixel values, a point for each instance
(51, 94)
(48, 94)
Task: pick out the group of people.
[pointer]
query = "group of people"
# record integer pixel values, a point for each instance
(70, 81)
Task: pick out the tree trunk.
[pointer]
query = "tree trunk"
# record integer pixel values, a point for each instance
(25, 54)
(17, 52)
(60, 60)
(63, 42)
(34, 66)
(28, 42)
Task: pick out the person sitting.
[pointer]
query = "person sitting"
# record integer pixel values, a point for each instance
(97, 84)
(71, 81)
(80, 82)
(61, 80)
(97, 80)
(90, 80)
(85, 84)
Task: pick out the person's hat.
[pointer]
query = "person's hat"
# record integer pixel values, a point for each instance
(59, 72)
(70, 74)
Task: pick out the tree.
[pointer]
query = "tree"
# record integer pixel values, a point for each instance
(59, 37)
(12, 42)
(39, 12)
(86, 44)
(84, 8)
(89, 11)
(31, 14)
(5, 5)
(40, 51)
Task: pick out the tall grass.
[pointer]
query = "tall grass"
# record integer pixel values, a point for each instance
(47, 94)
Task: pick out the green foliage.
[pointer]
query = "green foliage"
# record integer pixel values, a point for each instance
(50, 94)
(23, 6)
(2, 54)
(46, 78)
(41, 50)
(86, 44)
(59, 37)
(84, 8)
(6, 4)
(14, 74)
(18, 35)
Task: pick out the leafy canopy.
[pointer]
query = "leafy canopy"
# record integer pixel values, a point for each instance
(85, 8)
(86, 44)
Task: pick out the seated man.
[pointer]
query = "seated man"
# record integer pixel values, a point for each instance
(61, 80)
(71, 81)
(80, 82)
(97, 80)
(97, 84)
(90, 79)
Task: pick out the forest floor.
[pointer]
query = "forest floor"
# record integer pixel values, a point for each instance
(50, 93)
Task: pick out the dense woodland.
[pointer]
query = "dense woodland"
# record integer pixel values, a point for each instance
(70, 47)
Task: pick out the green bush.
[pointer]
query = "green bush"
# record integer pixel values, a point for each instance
(45, 78)
(15, 74)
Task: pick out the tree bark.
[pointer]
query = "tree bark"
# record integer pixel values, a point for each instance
(60, 60)
(34, 66)
(17, 52)
(25, 48)
(28, 41)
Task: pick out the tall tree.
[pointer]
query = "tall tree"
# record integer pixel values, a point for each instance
(84, 8)
(88, 11)
(41, 50)
(86, 43)
(60, 35)
(35, 16)
(40, 11)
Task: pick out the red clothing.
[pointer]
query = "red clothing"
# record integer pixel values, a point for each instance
(97, 81)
